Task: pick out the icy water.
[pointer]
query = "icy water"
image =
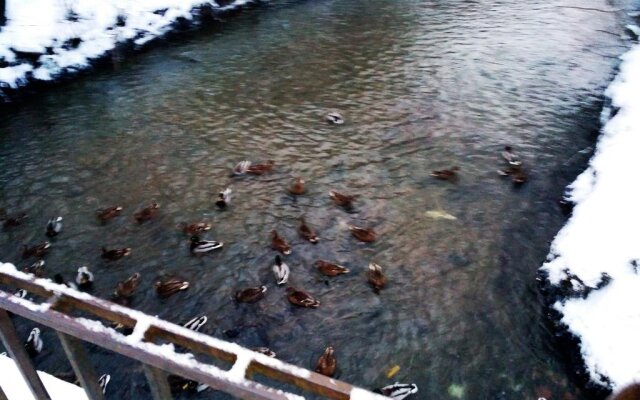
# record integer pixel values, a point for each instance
(423, 85)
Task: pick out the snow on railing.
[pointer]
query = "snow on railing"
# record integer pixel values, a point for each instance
(152, 342)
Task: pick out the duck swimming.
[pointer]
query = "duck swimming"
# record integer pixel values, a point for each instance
(342, 200)
(195, 228)
(13, 221)
(278, 243)
(375, 277)
(103, 381)
(335, 118)
(517, 173)
(203, 246)
(34, 343)
(38, 250)
(147, 213)
(327, 268)
(297, 187)
(250, 295)
(260, 169)
(115, 254)
(108, 213)
(366, 235)
(57, 278)
(510, 157)
(84, 278)
(450, 175)
(224, 197)
(398, 391)
(265, 350)
(196, 323)
(241, 167)
(327, 363)
(306, 232)
(170, 286)
(126, 288)
(54, 226)
(301, 298)
(281, 271)
(37, 269)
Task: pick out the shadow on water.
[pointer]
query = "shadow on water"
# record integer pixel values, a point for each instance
(423, 85)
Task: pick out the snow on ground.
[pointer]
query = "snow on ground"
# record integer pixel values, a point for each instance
(16, 388)
(46, 38)
(596, 257)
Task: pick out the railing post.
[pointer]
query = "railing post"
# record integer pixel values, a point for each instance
(81, 365)
(19, 355)
(158, 382)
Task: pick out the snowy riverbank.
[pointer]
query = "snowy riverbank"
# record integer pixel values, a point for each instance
(45, 39)
(594, 266)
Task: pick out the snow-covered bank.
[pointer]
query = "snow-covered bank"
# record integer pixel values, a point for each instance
(16, 388)
(594, 265)
(44, 39)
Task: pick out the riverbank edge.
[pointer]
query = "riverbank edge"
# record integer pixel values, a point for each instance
(571, 287)
(202, 15)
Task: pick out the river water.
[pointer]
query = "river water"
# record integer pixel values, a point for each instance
(423, 85)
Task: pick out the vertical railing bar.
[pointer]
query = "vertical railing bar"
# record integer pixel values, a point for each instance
(19, 355)
(81, 365)
(158, 382)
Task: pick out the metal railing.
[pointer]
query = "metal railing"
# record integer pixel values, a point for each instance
(78, 317)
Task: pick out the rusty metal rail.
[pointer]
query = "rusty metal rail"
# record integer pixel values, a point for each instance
(147, 344)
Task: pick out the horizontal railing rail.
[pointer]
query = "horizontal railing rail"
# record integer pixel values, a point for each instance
(152, 342)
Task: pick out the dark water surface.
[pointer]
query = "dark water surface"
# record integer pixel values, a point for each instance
(423, 85)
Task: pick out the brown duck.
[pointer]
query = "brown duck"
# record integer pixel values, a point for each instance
(126, 288)
(327, 363)
(278, 243)
(115, 254)
(297, 187)
(327, 268)
(108, 213)
(517, 173)
(169, 286)
(250, 295)
(12, 221)
(342, 200)
(375, 277)
(38, 250)
(450, 175)
(195, 228)
(259, 169)
(37, 269)
(366, 235)
(301, 299)
(147, 213)
(306, 232)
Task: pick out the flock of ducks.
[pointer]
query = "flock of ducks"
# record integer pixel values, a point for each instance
(167, 286)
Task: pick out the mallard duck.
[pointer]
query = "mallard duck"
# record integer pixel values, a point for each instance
(34, 343)
(115, 254)
(281, 271)
(335, 118)
(306, 232)
(510, 157)
(366, 235)
(265, 350)
(203, 246)
(450, 175)
(330, 269)
(224, 197)
(84, 278)
(38, 250)
(126, 288)
(343, 200)
(259, 169)
(147, 213)
(108, 213)
(375, 277)
(59, 279)
(278, 243)
(241, 167)
(54, 226)
(250, 295)
(517, 173)
(13, 221)
(301, 299)
(37, 269)
(103, 382)
(327, 363)
(297, 187)
(195, 228)
(170, 286)
(196, 323)
(398, 391)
